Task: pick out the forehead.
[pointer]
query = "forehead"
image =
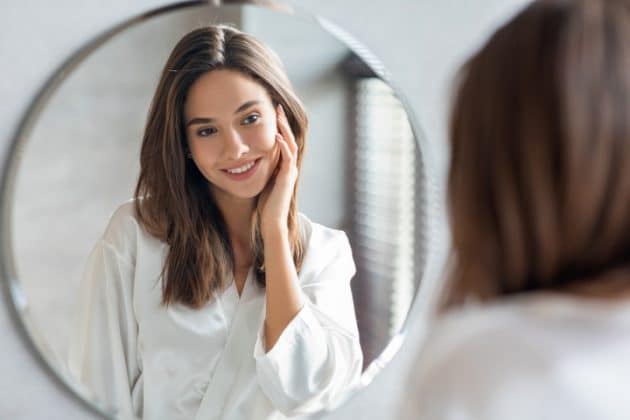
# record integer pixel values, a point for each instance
(222, 92)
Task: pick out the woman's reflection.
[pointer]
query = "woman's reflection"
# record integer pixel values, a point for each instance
(209, 296)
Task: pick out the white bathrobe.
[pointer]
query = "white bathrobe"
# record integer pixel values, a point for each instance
(539, 356)
(143, 359)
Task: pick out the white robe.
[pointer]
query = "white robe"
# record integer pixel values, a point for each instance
(146, 360)
(541, 356)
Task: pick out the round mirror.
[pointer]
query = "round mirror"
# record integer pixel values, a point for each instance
(76, 156)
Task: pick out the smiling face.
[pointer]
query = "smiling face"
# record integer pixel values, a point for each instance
(230, 128)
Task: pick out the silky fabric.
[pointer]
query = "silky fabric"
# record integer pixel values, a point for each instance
(544, 356)
(145, 360)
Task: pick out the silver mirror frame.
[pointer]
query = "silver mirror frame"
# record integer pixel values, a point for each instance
(13, 290)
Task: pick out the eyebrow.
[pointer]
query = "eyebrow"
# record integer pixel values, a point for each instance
(241, 108)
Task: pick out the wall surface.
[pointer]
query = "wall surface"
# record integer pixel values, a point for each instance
(422, 43)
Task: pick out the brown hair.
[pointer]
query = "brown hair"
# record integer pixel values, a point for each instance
(173, 201)
(539, 182)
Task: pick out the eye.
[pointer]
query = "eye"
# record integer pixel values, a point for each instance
(251, 119)
(205, 132)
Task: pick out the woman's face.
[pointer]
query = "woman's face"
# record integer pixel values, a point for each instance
(231, 127)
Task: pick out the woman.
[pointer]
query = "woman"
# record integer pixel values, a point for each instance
(539, 195)
(209, 296)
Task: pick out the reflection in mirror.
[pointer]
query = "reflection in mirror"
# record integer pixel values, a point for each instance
(386, 187)
(361, 173)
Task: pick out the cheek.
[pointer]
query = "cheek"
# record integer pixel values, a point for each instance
(205, 153)
(265, 137)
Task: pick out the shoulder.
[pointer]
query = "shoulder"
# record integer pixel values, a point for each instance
(468, 356)
(124, 233)
(490, 346)
(322, 240)
(469, 335)
(317, 235)
(122, 223)
(483, 360)
(514, 330)
(521, 328)
(324, 246)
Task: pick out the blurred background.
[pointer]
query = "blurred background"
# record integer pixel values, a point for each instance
(420, 42)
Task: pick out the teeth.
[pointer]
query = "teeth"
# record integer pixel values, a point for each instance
(242, 169)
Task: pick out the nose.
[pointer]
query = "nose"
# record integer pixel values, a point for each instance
(234, 146)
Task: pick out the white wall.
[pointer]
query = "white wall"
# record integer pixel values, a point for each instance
(422, 42)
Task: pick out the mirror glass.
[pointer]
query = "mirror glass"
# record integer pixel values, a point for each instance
(79, 160)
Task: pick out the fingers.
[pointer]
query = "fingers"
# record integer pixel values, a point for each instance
(285, 150)
(285, 130)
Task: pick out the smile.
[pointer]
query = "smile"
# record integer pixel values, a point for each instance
(242, 169)
(242, 172)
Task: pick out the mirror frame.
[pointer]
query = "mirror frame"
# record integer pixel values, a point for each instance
(13, 290)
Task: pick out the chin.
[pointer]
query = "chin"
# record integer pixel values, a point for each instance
(243, 193)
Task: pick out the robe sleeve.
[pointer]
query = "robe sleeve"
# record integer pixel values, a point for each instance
(318, 356)
(103, 354)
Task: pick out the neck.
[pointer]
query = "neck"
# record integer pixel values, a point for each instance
(237, 214)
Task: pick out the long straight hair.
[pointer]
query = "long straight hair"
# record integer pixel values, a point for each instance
(172, 199)
(539, 182)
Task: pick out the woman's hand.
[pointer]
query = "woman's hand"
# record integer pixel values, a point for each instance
(277, 198)
(282, 291)
(283, 296)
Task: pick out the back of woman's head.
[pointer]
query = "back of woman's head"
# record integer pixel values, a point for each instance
(539, 182)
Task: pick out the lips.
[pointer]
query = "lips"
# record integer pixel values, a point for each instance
(243, 167)
(242, 171)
